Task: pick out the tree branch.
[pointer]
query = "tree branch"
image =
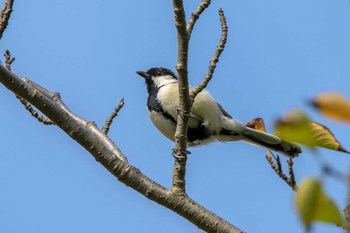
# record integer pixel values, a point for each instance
(179, 171)
(195, 15)
(5, 16)
(185, 99)
(50, 104)
(104, 151)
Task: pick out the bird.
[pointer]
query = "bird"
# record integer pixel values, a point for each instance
(208, 121)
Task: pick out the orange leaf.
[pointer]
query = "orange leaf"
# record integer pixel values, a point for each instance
(258, 124)
(333, 105)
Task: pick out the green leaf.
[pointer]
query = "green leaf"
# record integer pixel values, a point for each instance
(297, 127)
(329, 212)
(314, 205)
(306, 200)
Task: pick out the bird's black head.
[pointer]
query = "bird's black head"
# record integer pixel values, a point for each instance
(156, 72)
(157, 77)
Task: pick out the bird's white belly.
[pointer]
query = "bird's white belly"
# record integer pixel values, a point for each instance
(165, 126)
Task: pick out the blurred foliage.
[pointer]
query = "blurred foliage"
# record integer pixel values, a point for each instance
(314, 205)
(333, 105)
(297, 127)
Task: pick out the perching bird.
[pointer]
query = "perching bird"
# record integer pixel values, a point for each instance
(208, 121)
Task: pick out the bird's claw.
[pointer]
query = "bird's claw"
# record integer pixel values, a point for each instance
(180, 154)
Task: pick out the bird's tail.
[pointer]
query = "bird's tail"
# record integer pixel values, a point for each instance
(271, 142)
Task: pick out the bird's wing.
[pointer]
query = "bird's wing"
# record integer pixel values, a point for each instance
(223, 111)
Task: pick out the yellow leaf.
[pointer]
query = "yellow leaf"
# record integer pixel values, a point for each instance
(297, 127)
(333, 105)
(314, 205)
(325, 138)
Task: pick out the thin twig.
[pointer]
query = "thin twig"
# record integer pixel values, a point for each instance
(291, 180)
(115, 112)
(195, 15)
(5, 16)
(35, 114)
(272, 163)
(9, 60)
(277, 167)
(215, 59)
(26, 104)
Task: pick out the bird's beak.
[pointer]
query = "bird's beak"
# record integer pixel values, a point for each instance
(143, 74)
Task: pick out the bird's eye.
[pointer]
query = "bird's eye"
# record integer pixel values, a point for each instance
(159, 73)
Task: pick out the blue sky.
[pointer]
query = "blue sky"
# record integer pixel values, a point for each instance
(279, 54)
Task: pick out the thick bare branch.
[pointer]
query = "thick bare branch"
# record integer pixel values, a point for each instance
(50, 104)
(104, 151)
(195, 15)
(115, 112)
(185, 99)
(215, 59)
(5, 16)
(185, 103)
(179, 172)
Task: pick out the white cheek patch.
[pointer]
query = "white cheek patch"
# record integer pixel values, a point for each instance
(164, 80)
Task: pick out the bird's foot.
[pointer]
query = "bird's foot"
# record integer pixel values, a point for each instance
(180, 154)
